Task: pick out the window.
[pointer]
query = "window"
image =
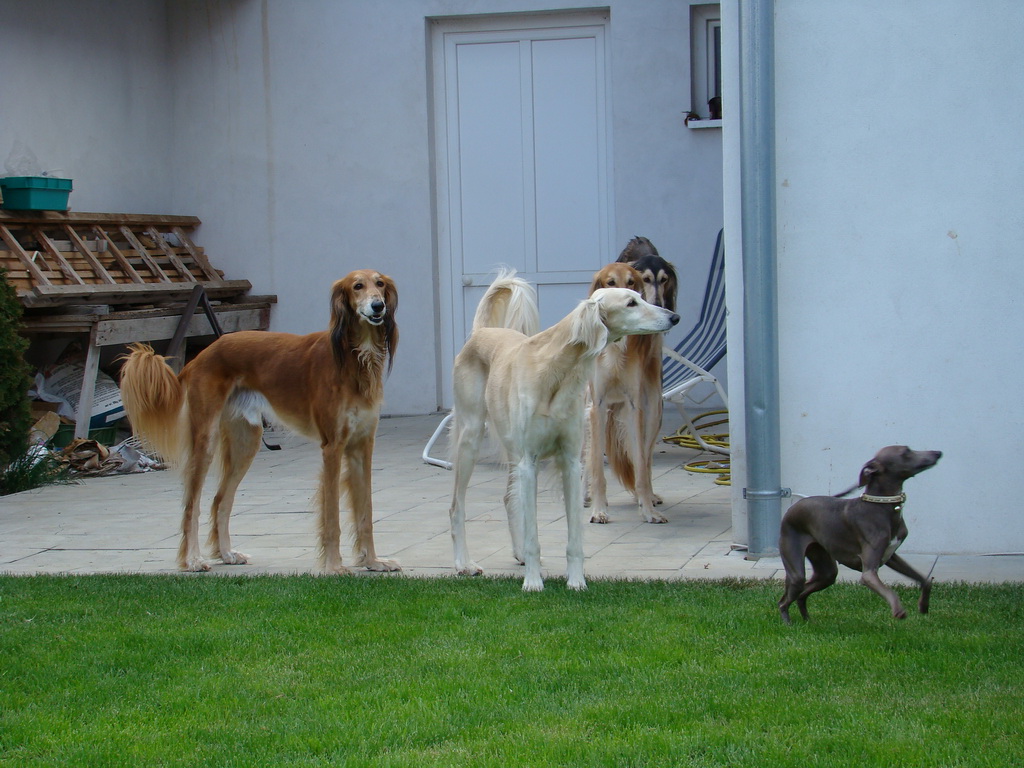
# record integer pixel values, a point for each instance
(705, 65)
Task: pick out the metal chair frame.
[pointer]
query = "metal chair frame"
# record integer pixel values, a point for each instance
(691, 361)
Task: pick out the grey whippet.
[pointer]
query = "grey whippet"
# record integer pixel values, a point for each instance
(861, 533)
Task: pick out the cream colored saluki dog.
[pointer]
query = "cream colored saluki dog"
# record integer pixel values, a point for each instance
(531, 391)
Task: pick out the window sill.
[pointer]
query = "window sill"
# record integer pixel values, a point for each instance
(698, 124)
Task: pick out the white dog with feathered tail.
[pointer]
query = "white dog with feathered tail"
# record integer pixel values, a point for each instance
(531, 390)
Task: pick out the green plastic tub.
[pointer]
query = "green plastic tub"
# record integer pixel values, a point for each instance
(35, 193)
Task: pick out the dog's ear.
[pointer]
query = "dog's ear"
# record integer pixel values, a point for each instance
(636, 249)
(671, 287)
(341, 318)
(390, 326)
(587, 327)
(595, 283)
(869, 470)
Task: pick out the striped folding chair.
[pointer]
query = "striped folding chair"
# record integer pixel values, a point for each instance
(690, 363)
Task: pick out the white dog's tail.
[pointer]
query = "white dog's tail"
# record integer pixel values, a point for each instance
(510, 302)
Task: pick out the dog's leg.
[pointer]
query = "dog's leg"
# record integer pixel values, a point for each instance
(239, 442)
(640, 455)
(515, 518)
(467, 433)
(526, 497)
(587, 442)
(571, 471)
(328, 522)
(869, 578)
(825, 573)
(189, 556)
(598, 487)
(901, 566)
(357, 480)
(650, 422)
(792, 545)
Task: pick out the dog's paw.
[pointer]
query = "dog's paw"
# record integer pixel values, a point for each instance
(599, 517)
(470, 569)
(577, 584)
(382, 565)
(233, 557)
(651, 517)
(335, 569)
(535, 584)
(656, 500)
(195, 565)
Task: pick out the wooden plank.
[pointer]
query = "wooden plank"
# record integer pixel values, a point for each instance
(120, 258)
(98, 269)
(88, 391)
(24, 258)
(64, 326)
(129, 293)
(65, 267)
(54, 322)
(197, 254)
(82, 218)
(140, 249)
(158, 238)
(16, 273)
(177, 341)
(157, 328)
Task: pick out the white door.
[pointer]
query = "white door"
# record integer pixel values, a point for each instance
(522, 168)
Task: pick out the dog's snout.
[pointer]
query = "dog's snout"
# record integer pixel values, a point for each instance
(377, 306)
(674, 319)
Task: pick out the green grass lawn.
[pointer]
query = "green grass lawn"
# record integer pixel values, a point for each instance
(306, 671)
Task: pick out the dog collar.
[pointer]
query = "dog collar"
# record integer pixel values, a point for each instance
(901, 498)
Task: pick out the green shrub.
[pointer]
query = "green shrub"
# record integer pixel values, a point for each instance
(15, 415)
(28, 471)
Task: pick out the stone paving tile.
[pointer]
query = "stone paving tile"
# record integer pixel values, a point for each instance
(130, 523)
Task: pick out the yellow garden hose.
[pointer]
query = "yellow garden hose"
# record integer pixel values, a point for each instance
(719, 465)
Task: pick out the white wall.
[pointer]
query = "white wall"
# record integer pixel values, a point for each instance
(900, 224)
(303, 144)
(85, 87)
(299, 133)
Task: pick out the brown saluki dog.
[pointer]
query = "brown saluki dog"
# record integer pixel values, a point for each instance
(625, 393)
(327, 386)
(659, 276)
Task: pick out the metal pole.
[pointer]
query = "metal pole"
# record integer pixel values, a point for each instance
(760, 344)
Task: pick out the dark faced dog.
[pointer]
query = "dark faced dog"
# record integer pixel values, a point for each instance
(659, 276)
(861, 533)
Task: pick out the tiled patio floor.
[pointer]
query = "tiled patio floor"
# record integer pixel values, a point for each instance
(129, 523)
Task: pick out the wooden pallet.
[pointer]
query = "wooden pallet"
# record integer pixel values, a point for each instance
(116, 279)
(54, 258)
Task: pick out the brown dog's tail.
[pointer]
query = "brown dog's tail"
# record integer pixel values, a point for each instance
(510, 302)
(618, 456)
(153, 397)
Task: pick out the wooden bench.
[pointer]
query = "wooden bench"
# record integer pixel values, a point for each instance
(117, 279)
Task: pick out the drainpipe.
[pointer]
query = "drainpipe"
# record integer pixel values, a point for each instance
(760, 326)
